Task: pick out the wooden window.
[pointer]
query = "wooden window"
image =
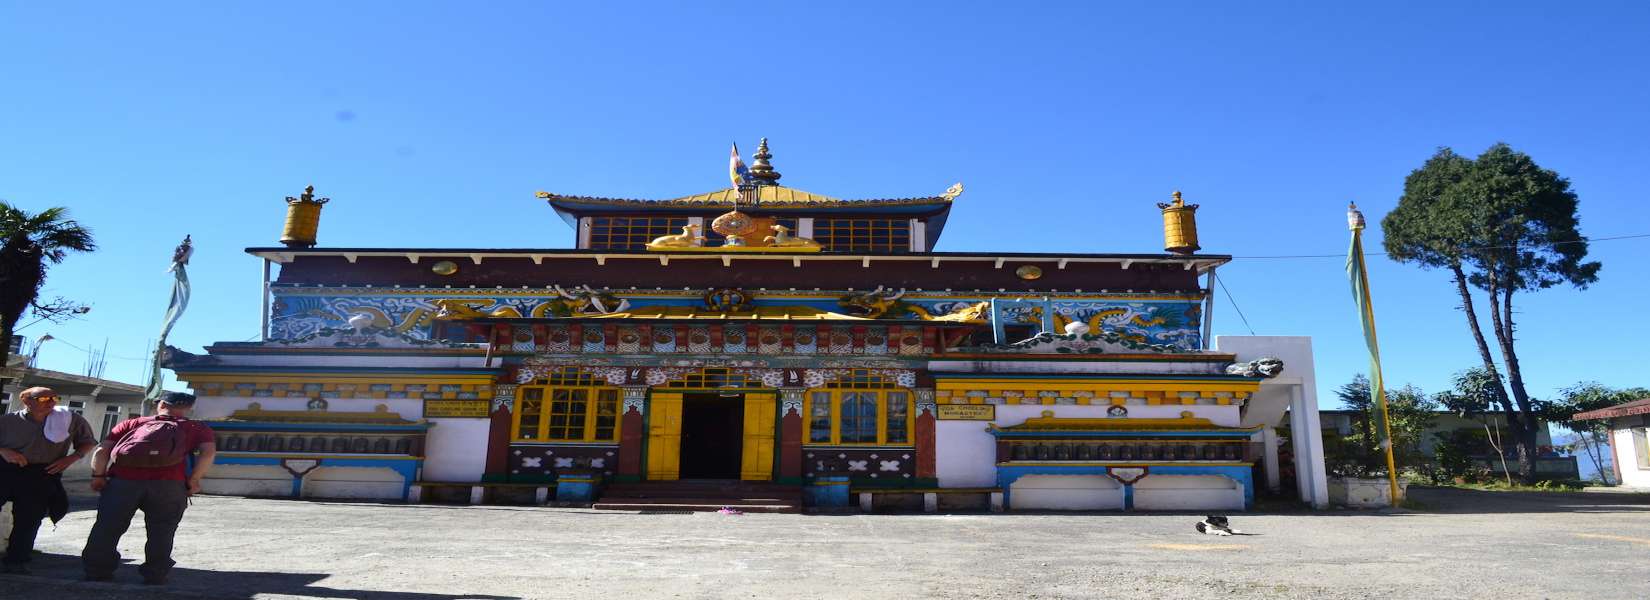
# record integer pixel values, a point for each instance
(567, 406)
(860, 408)
(631, 233)
(712, 377)
(863, 235)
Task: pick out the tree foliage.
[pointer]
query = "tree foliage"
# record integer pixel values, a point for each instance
(1501, 224)
(1360, 454)
(29, 245)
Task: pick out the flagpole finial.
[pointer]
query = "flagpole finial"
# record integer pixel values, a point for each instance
(1354, 217)
(761, 170)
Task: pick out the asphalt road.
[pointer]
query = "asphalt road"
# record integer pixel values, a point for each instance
(1461, 545)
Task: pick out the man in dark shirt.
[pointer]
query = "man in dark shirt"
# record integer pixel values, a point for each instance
(32, 464)
(161, 492)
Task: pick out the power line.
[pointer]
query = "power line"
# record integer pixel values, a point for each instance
(1222, 283)
(1468, 249)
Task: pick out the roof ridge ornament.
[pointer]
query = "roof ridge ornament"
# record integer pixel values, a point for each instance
(761, 170)
(952, 192)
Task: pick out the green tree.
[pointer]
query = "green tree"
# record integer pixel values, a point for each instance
(1503, 225)
(1593, 435)
(1411, 414)
(1475, 394)
(31, 243)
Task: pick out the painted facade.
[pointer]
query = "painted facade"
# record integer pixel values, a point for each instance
(1629, 438)
(760, 335)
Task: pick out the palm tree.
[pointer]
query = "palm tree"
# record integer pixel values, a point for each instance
(31, 243)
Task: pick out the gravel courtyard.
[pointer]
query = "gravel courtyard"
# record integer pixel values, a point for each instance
(1462, 545)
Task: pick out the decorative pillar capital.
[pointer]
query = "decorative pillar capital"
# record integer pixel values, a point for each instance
(635, 397)
(790, 398)
(504, 395)
(925, 401)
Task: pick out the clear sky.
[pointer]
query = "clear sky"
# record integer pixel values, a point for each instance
(433, 124)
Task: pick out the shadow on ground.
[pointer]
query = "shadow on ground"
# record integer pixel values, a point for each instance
(1451, 500)
(59, 576)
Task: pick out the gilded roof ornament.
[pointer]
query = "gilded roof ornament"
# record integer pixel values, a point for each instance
(952, 192)
(761, 170)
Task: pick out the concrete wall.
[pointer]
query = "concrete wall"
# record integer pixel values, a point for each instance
(967, 453)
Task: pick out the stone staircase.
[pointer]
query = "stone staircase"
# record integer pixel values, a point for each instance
(701, 495)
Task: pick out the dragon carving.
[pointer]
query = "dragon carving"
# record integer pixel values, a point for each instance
(872, 304)
(584, 300)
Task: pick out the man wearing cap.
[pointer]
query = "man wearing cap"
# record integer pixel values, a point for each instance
(36, 445)
(143, 465)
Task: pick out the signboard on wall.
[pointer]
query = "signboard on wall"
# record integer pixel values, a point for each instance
(456, 409)
(967, 412)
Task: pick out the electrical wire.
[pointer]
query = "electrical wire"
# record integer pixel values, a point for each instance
(1469, 249)
(1222, 283)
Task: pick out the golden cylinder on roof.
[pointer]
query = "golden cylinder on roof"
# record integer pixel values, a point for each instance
(303, 219)
(1179, 226)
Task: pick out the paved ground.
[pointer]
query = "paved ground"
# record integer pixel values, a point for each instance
(1463, 545)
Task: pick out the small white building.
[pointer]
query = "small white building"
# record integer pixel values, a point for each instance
(1629, 448)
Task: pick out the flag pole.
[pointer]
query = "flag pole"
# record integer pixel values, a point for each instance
(1359, 273)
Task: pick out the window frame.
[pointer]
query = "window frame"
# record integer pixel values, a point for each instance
(597, 393)
(856, 383)
(1641, 446)
(864, 234)
(632, 232)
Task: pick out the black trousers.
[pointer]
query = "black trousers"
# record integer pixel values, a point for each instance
(29, 489)
(162, 503)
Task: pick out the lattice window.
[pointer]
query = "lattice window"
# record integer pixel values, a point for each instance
(863, 235)
(581, 407)
(713, 377)
(859, 408)
(631, 233)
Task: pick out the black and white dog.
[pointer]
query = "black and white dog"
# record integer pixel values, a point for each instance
(1216, 525)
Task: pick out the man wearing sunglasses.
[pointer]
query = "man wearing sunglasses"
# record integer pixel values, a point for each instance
(36, 445)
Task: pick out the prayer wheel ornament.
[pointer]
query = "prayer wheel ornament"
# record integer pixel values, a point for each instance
(303, 218)
(1179, 226)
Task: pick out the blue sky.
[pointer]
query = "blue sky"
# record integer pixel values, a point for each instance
(433, 124)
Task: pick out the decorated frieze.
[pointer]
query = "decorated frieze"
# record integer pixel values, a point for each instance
(1095, 392)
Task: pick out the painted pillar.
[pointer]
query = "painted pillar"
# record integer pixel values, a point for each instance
(925, 434)
(498, 433)
(631, 433)
(790, 435)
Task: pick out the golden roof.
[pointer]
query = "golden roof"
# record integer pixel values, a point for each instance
(760, 313)
(767, 196)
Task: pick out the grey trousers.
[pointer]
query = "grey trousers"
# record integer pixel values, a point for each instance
(162, 503)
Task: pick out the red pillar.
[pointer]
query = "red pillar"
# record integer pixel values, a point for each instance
(498, 445)
(630, 445)
(925, 445)
(790, 438)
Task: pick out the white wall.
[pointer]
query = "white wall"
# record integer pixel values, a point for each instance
(1631, 474)
(220, 407)
(966, 454)
(456, 450)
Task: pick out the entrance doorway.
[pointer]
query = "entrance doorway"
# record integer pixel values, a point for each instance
(712, 435)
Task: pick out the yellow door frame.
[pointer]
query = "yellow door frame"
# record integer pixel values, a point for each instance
(664, 432)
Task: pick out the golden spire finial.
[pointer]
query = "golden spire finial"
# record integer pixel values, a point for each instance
(1177, 200)
(761, 170)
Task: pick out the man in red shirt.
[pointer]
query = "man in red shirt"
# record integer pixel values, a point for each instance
(161, 490)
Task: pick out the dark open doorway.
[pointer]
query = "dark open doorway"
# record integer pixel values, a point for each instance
(713, 428)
